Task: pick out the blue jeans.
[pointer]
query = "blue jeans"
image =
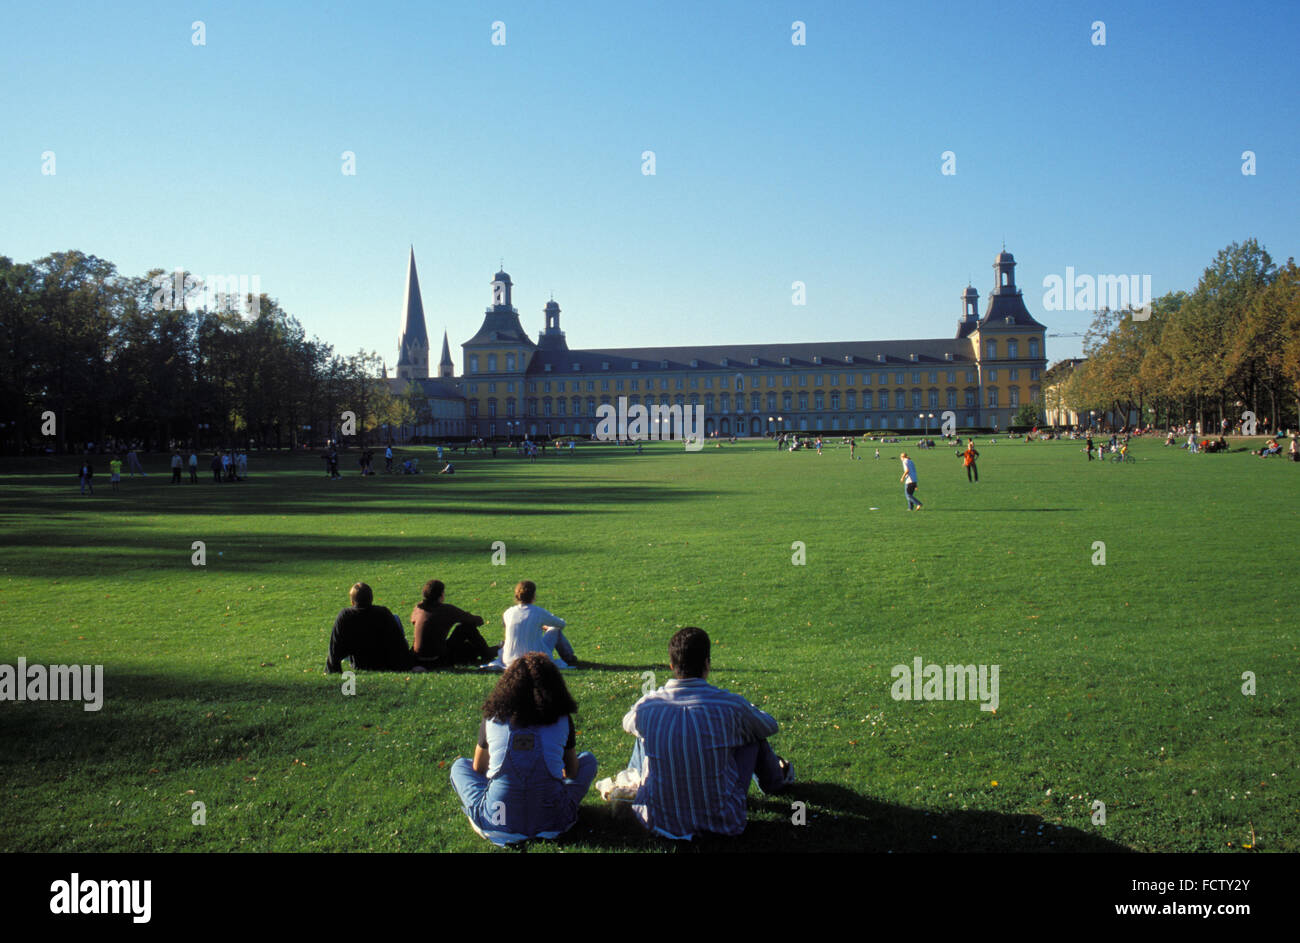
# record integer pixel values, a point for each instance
(520, 804)
(910, 490)
(564, 649)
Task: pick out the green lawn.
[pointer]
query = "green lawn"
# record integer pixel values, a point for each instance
(1120, 683)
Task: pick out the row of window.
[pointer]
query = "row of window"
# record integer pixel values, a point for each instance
(756, 426)
(724, 403)
(620, 385)
(492, 363)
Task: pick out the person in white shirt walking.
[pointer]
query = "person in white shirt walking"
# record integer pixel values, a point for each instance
(531, 628)
(909, 482)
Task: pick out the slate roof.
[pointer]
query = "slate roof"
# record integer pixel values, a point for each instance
(413, 328)
(501, 326)
(740, 357)
(1008, 305)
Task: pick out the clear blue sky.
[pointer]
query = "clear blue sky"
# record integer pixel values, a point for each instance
(775, 162)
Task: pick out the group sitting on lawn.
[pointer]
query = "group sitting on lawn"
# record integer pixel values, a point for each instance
(697, 749)
(373, 639)
(697, 746)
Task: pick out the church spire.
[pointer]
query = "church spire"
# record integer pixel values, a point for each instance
(447, 366)
(413, 348)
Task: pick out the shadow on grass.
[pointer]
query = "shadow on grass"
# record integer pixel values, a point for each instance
(239, 553)
(515, 496)
(841, 820)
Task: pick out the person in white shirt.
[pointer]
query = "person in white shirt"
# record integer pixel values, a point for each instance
(531, 628)
(909, 483)
(194, 468)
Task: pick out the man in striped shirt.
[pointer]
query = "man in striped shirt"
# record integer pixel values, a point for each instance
(698, 747)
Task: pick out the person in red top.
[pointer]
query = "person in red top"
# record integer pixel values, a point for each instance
(968, 459)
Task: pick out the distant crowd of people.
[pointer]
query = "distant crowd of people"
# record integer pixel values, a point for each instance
(226, 466)
(697, 746)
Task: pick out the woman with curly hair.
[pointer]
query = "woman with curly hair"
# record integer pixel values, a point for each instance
(526, 780)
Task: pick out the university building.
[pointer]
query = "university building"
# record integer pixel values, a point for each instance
(511, 385)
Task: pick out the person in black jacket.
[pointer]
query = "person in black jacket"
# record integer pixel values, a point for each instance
(371, 636)
(433, 618)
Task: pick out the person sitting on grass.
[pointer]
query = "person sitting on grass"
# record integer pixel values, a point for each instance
(697, 749)
(433, 618)
(1271, 448)
(530, 628)
(371, 636)
(448, 469)
(526, 779)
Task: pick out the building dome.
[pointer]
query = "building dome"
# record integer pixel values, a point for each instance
(1004, 258)
(501, 276)
(552, 307)
(970, 292)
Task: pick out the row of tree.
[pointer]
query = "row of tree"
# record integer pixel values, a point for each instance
(88, 355)
(1230, 346)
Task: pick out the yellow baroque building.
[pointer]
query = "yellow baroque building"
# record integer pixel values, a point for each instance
(512, 386)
